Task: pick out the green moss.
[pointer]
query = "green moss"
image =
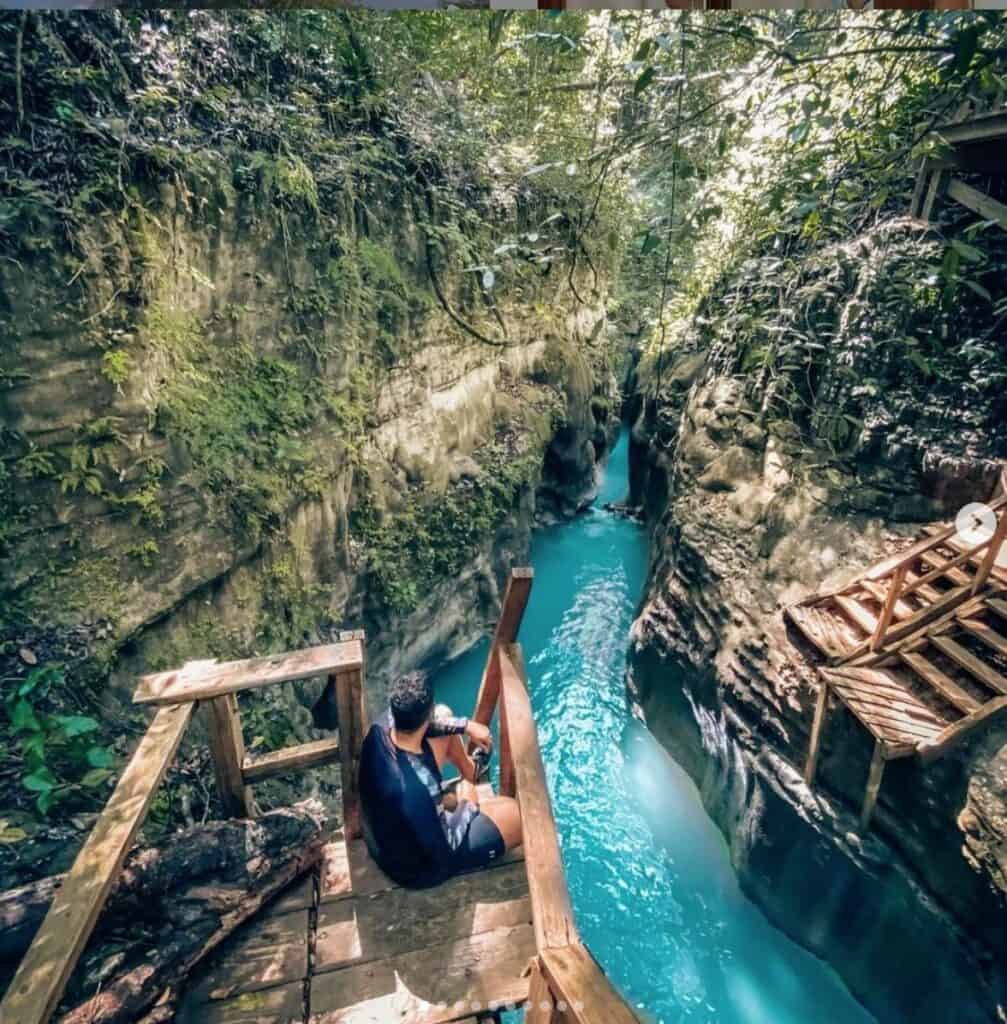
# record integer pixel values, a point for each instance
(433, 536)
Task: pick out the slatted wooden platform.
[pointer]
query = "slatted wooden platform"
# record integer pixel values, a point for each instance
(917, 646)
(348, 946)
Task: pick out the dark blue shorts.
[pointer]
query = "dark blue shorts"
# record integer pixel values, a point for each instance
(481, 845)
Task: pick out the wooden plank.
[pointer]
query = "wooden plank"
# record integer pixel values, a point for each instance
(541, 1008)
(923, 590)
(857, 613)
(816, 625)
(891, 726)
(968, 661)
(398, 921)
(940, 681)
(445, 982)
(941, 567)
(281, 1005)
(42, 975)
(976, 129)
(817, 725)
(352, 728)
(999, 606)
(577, 980)
(956, 732)
(198, 682)
(872, 681)
(512, 609)
(271, 950)
(874, 777)
(901, 609)
(989, 636)
(550, 898)
(978, 202)
(227, 746)
(902, 713)
(888, 608)
(938, 180)
(290, 759)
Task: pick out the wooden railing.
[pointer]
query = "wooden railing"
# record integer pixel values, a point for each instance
(42, 975)
(567, 984)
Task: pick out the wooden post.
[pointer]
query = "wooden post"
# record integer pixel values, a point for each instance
(508, 782)
(937, 181)
(891, 599)
(989, 559)
(918, 192)
(874, 776)
(227, 745)
(816, 730)
(352, 728)
(515, 600)
(541, 1007)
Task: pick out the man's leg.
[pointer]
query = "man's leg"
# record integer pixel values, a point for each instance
(504, 812)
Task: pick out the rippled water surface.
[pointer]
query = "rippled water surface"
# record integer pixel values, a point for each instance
(654, 893)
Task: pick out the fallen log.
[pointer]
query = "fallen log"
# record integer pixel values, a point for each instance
(172, 905)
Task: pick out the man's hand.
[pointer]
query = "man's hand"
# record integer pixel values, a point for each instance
(480, 735)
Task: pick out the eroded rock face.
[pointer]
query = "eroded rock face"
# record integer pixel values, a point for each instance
(746, 518)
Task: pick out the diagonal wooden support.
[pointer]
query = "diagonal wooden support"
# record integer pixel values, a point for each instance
(821, 707)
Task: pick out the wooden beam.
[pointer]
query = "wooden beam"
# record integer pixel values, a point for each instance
(989, 636)
(821, 707)
(508, 781)
(352, 728)
(541, 1007)
(42, 975)
(973, 665)
(978, 202)
(874, 776)
(196, 681)
(227, 746)
(857, 613)
(894, 589)
(577, 980)
(976, 129)
(957, 731)
(937, 182)
(940, 681)
(515, 600)
(552, 913)
(290, 759)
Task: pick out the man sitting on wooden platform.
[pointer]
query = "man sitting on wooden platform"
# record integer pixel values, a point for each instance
(418, 835)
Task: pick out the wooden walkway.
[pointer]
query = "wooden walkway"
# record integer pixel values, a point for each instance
(916, 645)
(347, 945)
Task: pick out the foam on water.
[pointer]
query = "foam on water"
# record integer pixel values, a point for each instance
(655, 895)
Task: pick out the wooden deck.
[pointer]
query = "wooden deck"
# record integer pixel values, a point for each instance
(347, 946)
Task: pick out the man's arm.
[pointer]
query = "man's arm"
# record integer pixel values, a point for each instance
(443, 724)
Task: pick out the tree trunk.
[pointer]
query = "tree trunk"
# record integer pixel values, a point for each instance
(170, 907)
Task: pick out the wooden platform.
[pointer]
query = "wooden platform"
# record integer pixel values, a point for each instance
(349, 946)
(917, 645)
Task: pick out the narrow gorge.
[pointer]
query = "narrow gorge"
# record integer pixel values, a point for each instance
(325, 322)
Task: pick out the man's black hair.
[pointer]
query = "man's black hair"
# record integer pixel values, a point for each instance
(411, 700)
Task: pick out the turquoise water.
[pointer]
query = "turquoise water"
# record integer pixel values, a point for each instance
(655, 896)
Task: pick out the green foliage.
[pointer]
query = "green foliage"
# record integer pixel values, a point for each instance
(115, 366)
(60, 755)
(432, 537)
